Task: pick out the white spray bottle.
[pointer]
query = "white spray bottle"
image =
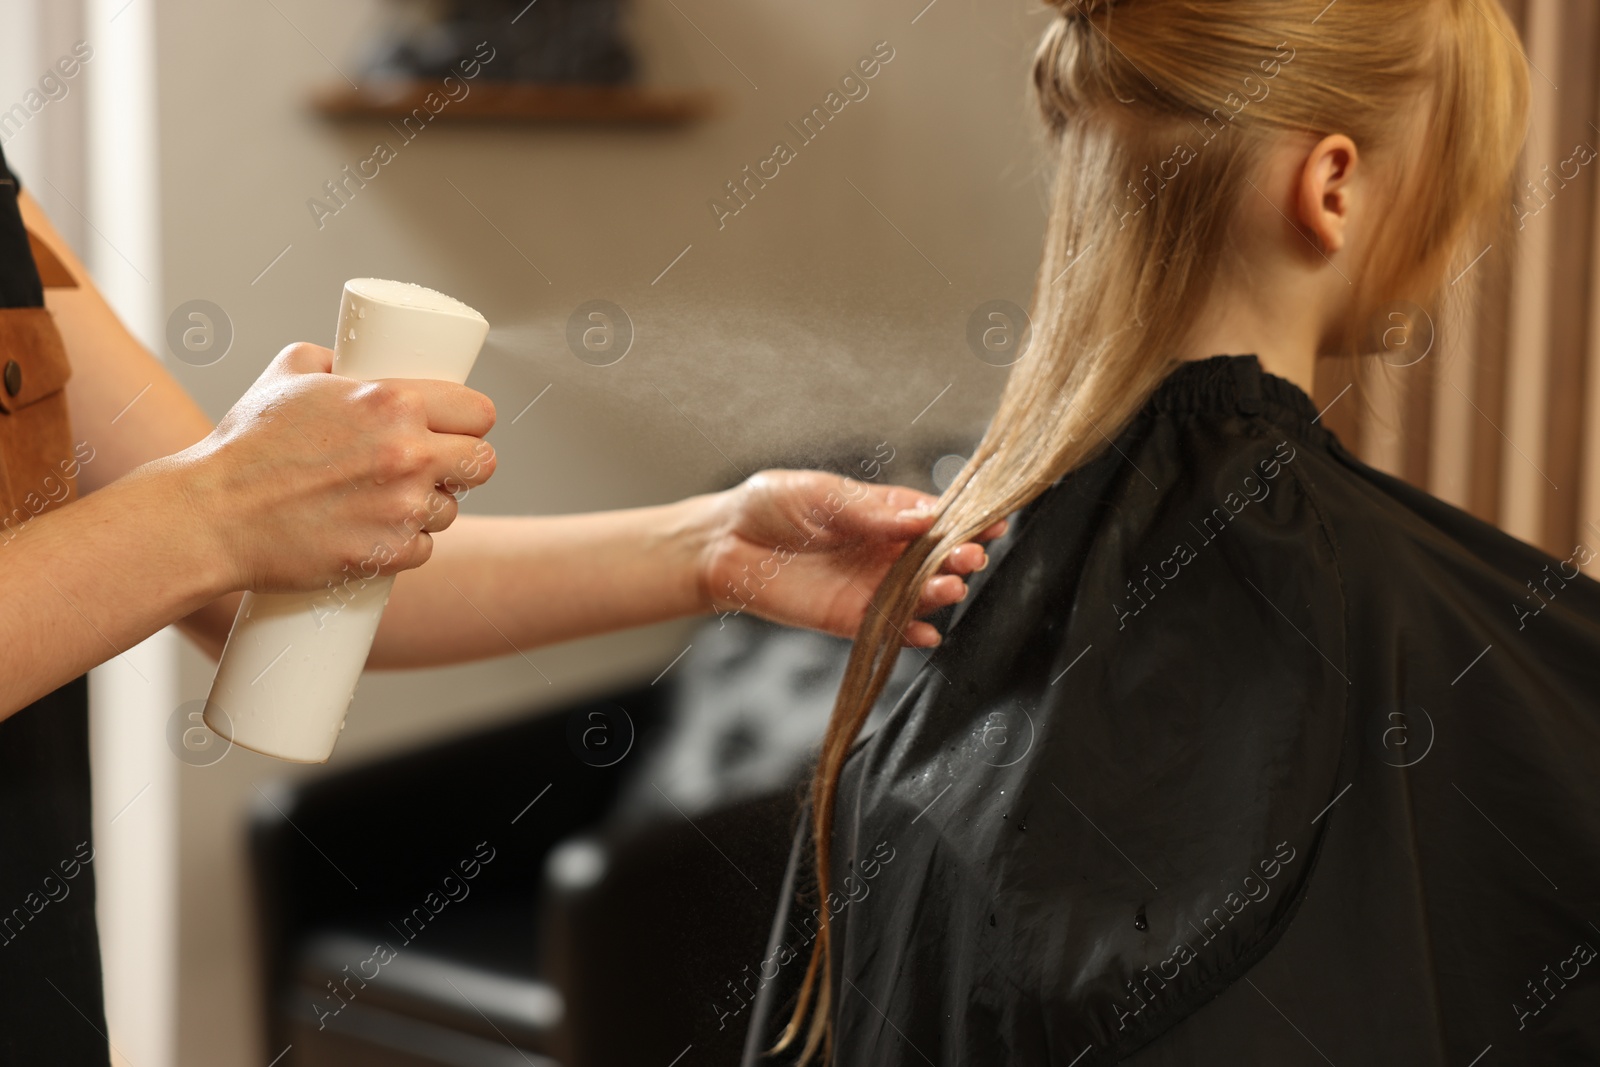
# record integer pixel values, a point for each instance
(292, 661)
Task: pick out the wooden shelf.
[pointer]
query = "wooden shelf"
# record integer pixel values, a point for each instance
(501, 102)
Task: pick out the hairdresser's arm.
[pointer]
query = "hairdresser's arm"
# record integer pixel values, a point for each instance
(89, 580)
(801, 547)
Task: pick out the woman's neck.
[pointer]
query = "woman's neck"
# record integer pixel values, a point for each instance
(1286, 345)
(1280, 292)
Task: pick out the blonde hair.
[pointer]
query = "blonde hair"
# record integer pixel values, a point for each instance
(1131, 92)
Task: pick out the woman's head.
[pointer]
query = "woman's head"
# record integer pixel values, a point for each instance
(1432, 94)
(1165, 117)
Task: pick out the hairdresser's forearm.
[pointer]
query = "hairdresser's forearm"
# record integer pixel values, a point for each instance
(499, 584)
(92, 579)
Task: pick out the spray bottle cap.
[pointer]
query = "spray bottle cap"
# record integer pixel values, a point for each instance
(405, 294)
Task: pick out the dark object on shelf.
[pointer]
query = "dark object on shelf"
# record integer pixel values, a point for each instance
(546, 41)
(619, 104)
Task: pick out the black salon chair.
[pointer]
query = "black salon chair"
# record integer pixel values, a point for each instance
(380, 949)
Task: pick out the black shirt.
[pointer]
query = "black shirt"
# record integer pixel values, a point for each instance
(52, 1009)
(1244, 754)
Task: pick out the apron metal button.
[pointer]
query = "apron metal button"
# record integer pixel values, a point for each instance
(13, 377)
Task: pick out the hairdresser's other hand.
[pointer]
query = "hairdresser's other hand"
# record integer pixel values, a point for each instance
(313, 476)
(809, 549)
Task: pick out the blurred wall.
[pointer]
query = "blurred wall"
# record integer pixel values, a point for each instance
(826, 315)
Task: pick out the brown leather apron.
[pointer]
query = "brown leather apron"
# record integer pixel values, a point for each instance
(38, 464)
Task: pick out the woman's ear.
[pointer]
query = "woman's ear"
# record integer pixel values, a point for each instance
(1326, 190)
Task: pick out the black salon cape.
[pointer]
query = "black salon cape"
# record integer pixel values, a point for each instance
(52, 1010)
(1246, 754)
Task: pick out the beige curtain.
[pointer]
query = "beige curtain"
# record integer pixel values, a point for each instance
(1502, 417)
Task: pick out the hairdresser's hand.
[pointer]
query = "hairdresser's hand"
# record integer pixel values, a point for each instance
(809, 549)
(311, 473)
